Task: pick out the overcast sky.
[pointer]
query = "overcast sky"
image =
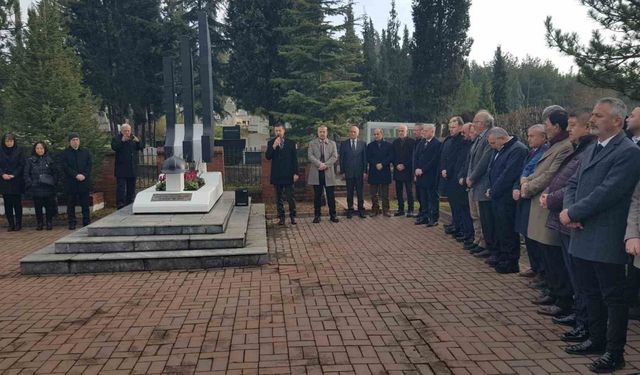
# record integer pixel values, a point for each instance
(517, 25)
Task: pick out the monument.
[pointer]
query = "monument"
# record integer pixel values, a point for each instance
(173, 228)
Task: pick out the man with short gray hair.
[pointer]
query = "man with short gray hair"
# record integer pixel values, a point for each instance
(322, 154)
(126, 147)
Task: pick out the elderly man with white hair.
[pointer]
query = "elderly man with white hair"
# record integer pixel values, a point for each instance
(126, 146)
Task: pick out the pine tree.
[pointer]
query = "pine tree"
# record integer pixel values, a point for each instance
(499, 82)
(440, 46)
(46, 98)
(467, 96)
(605, 63)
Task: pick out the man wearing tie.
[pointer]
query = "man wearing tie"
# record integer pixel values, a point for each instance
(402, 170)
(353, 163)
(426, 172)
(596, 205)
(323, 154)
(284, 171)
(379, 156)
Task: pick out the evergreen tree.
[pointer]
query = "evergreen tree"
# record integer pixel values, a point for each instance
(46, 98)
(467, 96)
(254, 30)
(499, 82)
(486, 97)
(605, 63)
(515, 97)
(440, 46)
(370, 48)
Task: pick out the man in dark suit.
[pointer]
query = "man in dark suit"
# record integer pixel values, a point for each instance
(379, 157)
(126, 147)
(426, 171)
(504, 171)
(469, 215)
(353, 163)
(596, 208)
(76, 165)
(417, 142)
(452, 152)
(402, 167)
(284, 171)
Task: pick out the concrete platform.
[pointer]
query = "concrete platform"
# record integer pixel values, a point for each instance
(48, 261)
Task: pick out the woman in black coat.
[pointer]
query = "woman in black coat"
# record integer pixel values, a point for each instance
(11, 185)
(40, 178)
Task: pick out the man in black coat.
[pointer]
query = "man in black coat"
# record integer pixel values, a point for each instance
(126, 147)
(402, 170)
(379, 157)
(426, 171)
(76, 165)
(284, 171)
(504, 170)
(11, 180)
(417, 142)
(452, 149)
(461, 167)
(353, 163)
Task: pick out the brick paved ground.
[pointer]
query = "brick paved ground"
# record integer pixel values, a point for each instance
(375, 296)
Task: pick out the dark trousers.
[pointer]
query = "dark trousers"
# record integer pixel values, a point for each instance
(429, 203)
(487, 222)
(355, 185)
(406, 186)
(13, 208)
(557, 275)
(285, 192)
(462, 219)
(633, 284)
(317, 196)
(579, 300)
(604, 285)
(82, 199)
(125, 191)
(379, 192)
(535, 257)
(48, 204)
(507, 239)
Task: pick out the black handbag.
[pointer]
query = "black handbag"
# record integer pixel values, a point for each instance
(47, 179)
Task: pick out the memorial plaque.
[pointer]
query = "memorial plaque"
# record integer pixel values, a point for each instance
(171, 197)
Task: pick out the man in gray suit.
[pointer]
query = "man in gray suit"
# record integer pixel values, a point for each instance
(596, 205)
(478, 180)
(353, 163)
(323, 154)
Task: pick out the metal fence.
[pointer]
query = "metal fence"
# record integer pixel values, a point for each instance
(148, 170)
(242, 168)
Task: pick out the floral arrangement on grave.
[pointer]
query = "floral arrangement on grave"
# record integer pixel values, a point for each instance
(192, 181)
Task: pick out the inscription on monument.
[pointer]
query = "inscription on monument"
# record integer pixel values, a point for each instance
(171, 197)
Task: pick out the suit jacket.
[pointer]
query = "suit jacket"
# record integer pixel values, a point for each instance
(73, 163)
(479, 159)
(379, 152)
(537, 182)
(284, 162)
(330, 158)
(428, 159)
(505, 168)
(353, 163)
(453, 152)
(598, 196)
(403, 154)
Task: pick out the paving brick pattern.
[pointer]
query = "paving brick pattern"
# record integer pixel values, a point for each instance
(374, 296)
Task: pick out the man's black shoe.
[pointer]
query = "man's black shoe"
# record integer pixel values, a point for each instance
(477, 250)
(470, 245)
(349, 214)
(281, 221)
(578, 334)
(334, 219)
(461, 237)
(609, 362)
(316, 219)
(399, 213)
(449, 230)
(544, 301)
(293, 221)
(507, 268)
(420, 221)
(433, 223)
(362, 215)
(72, 227)
(567, 320)
(585, 347)
(492, 261)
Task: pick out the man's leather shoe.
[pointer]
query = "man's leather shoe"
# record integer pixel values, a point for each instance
(609, 362)
(491, 261)
(470, 246)
(349, 214)
(420, 221)
(449, 230)
(293, 221)
(432, 224)
(399, 213)
(386, 214)
(538, 285)
(551, 310)
(334, 219)
(507, 268)
(483, 254)
(585, 347)
(567, 320)
(461, 237)
(476, 250)
(544, 301)
(362, 215)
(528, 273)
(281, 221)
(316, 219)
(578, 334)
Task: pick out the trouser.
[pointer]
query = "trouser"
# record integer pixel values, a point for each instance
(406, 185)
(604, 285)
(417, 198)
(48, 204)
(379, 192)
(579, 301)
(487, 223)
(355, 185)
(429, 203)
(125, 191)
(13, 208)
(285, 192)
(557, 275)
(73, 199)
(535, 257)
(632, 284)
(463, 219)
(317, 196)
(507, 239)
(474, 211)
